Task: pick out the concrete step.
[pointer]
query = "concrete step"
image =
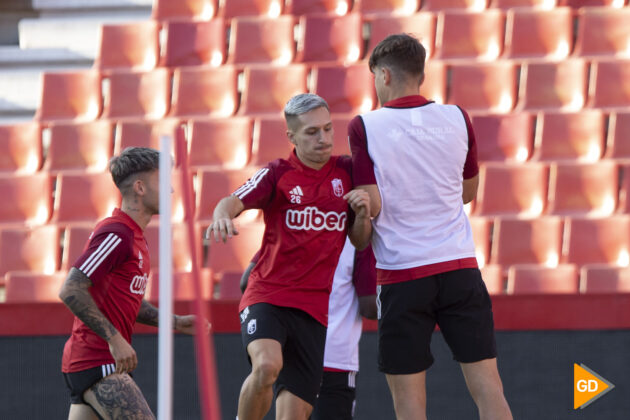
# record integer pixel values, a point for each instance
(14, 56)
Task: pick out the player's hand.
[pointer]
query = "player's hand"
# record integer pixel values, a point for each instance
(186, 324)
(123, 354)
(222, 228)
(359, 201)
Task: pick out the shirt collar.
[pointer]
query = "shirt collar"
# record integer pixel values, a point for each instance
(121, 214)
(407, 102)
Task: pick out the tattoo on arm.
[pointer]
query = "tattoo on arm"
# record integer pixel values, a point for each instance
(148, 314)
(77, 298)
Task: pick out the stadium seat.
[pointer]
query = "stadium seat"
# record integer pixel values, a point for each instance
(262, 40)
(535, 33)
(21, 146)
(225, 143)
(537, 279)
(27, 198)
(585, 189)
(236, 8)
(617, 146)
(485, 87)
(267, 89)
(512, 189)
(577, 136)
(75, 239)
(309, 7)
(536, 241)
(270, 140)
(229, 285)
(341, 145)
(184, 9)
(330, 38)
(235, 254)
(437, 5)
(85, 146)
(504, 137)
(576, 4)
(29, 249)
(603, 31)
(28, 287)
(135, 95)
(434, 85)
(84, 197)
(493, 278)
(392, 7)
(624, 190)
(470, 35)
(481, 227)
(180, 246)
(194, 43)
(72, 96)
(508, 4)
(214, 185)
(183, 286)
(421, 25)
(604, 278)
(597, 241)
(610, 84)
(142, 133)
(133, 46)
(553, 86)
(205, 91)
(347, 89)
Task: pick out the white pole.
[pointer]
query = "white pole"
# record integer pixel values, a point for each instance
(165, 331)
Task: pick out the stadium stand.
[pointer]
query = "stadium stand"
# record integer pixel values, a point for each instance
(266, 90)
(604, 278)
(143, 133)
(347, 88)
(330, 38)
(309, 7)
(30, 287)
(434, 85)
(262, 40)
(184, 9)
(270, 140)
(183, 286)
(205, 91)
(603, 31)
(504, 137)
(484, 87)
(395, 7)
(70, 96)
(137, 94)
(194, 43)
(222, 143)
(619, 126)
(237, 8)
(27, 199)
(421, 25)
(132, 46)
(536, 279)
(21, 146)
(470, 35)
(609, 87)
(597, 241)
(29, 249)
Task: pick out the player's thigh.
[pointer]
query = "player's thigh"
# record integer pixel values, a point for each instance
(81, 412)
(336, 398)
(117, 396)
(291, 407)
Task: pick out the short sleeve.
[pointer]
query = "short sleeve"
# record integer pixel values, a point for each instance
(471, 166)
(108, 247)
(362, 165)
(257, 191)
(364, 273)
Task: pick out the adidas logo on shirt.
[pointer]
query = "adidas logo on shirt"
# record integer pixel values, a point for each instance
(296, 194)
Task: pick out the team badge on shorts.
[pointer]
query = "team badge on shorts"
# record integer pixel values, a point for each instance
(337, 187)
(251, 327)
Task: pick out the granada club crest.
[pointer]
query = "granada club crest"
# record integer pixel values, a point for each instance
(337, 187)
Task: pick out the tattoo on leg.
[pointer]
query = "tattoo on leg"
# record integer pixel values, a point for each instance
(120, 398)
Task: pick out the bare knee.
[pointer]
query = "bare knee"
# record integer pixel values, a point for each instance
(266, 371)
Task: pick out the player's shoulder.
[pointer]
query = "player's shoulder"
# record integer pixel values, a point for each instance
(115, 227)
(343, 162)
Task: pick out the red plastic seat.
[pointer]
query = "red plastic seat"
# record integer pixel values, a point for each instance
(617, 146)
(597, 241)
(535, 33)
(128, 45)
(588, 189)
(536, 241)
(86, 146)
(504, 137)
(72, 96)
(574, 137)
(471, 5)
(604, 278)
(553, 86)
(624, 191)
(609, 86)
(421, 25)
(26, 199)
(21, 146)
(230, 285)
(486, 87)
(270, 140)
(481, 235)
(262, 40)
(205, 91)
(330, 38)
(537, 279)
(493, 278)
(28, 287)
(508, 4)
(603, 31)
(576, 4)
(183, 286)
(236, 253)
(135, 95)
(268, 89)
(29, 249)
(341, 145)
(84, 197)
(470, 35)
(180, 246)
(393, 7)
(184, 9)
(236, 8)
(347, 89)
(214, 185)
(512, 189)
(142, 133)
(226, 143)
(194, 43)
(434, 85)
(75, 239)
(309, 7)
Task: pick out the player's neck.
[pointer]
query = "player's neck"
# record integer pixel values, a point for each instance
(137, 213)
(311, 164)
(397, 92)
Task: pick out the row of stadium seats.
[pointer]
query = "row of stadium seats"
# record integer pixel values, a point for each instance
(206, 9)
(478, 88)
(485, 36)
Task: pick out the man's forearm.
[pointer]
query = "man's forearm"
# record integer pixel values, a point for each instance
(77, 298)
(361, 232)
(148, 314)
(228, 207)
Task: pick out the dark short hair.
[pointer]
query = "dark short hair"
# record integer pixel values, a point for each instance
(131, 161)
(401, 52)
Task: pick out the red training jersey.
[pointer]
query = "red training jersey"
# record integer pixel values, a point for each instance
(306, 223)
(116, 259)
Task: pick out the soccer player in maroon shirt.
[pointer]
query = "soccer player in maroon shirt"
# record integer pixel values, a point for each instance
(105, 289)
(305, 201)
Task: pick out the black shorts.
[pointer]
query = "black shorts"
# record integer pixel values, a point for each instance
(337, 396)
(79, 382)
(457, 301)
(302, 339)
